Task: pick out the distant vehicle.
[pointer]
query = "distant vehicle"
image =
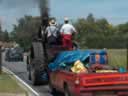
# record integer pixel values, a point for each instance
(14, 54)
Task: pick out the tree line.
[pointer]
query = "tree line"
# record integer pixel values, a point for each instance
(4, 35)
(92, 32)
(99, 33)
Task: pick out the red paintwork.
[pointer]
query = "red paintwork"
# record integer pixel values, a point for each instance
(90, 83)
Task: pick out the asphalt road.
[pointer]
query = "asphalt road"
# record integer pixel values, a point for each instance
(19, 68)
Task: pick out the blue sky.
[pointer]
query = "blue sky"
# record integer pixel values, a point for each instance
(114, 10)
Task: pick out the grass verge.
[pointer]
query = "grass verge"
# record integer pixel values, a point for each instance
(9, 85)
(117, 57)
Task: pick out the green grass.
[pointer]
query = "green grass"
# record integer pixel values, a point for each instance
(117, 57)
(9, 85)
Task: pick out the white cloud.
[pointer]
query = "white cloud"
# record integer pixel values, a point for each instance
(114, 10)
(12, 10)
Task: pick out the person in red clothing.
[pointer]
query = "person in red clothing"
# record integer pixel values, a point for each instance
(67, 30)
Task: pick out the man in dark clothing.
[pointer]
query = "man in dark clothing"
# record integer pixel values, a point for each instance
(51, 33)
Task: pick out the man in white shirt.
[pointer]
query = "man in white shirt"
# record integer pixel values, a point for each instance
(67, 31)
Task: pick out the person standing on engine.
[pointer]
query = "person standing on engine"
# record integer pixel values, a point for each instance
(51, 32)
(67, 31)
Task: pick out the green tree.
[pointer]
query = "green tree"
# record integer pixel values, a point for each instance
(92, 32)
(23, 32)
(6, 36)
(99, 33)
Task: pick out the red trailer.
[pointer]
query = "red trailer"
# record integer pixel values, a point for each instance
(89, 84)
(97, 84)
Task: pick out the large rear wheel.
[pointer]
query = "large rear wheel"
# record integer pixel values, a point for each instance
(38, 72)
(34, 77)
(38, 64)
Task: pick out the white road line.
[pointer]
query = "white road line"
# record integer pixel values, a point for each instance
(21, 81)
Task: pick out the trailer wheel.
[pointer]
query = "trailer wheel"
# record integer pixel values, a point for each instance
(66, 91)
(52, 89)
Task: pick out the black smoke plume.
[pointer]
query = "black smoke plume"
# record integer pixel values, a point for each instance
(44, 11)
